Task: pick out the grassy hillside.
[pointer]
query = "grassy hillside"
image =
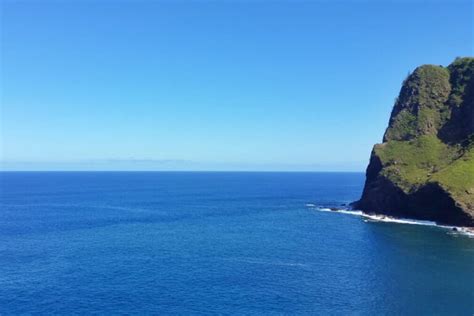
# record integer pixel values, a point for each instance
(412, 163)
(458, 179)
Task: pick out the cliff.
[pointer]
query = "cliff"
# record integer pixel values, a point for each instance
(424, 169)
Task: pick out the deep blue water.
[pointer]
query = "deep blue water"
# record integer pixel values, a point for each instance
(223, 243)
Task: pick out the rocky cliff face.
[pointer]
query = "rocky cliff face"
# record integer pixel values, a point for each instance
(424, 168)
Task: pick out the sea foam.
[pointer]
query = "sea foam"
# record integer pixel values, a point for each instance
(389, 219)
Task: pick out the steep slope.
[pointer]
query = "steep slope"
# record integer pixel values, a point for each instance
(424, 168)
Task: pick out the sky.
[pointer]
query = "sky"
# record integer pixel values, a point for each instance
(211, 85)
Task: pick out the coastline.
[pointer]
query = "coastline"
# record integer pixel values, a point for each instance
(374, 217)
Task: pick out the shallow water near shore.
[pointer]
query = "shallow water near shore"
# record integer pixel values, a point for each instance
(210, 243)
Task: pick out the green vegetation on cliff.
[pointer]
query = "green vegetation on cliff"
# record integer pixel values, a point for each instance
(412, 163)
(421, 107)
(458, 179)
(427, 158)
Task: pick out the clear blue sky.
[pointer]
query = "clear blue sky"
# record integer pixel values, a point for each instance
(217, 85)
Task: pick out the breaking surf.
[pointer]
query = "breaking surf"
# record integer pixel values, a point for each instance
(389, 219)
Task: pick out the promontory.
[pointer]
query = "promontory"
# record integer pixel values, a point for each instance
(424, 168)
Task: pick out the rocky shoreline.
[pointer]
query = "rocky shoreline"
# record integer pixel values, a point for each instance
(380, 217)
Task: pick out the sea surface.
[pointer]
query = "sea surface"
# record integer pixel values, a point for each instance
(217, 243)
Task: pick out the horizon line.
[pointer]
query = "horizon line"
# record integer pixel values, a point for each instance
(189, 171)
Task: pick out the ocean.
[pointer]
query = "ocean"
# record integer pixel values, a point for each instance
(218, 243)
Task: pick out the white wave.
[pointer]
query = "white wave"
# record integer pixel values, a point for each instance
(356, 213)
(389, 219)
(335, 210)
(464, 231)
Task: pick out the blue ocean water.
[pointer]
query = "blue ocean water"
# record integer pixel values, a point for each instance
(217, 243)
